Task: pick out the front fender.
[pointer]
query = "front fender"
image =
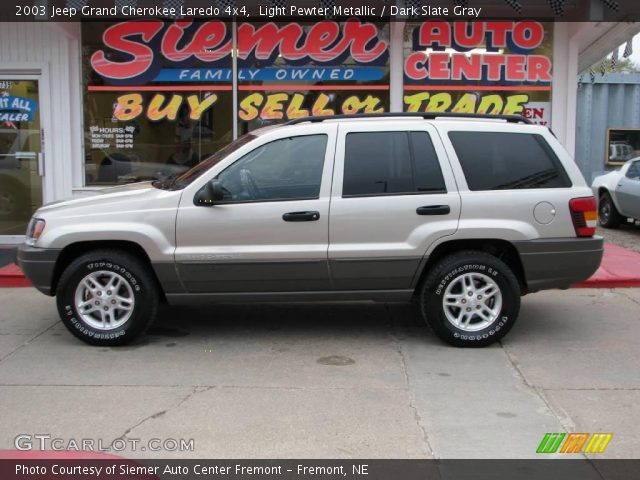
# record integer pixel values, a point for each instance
(158, 243)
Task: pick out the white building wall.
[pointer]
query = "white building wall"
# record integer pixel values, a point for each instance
(53, 50)
(563, 86)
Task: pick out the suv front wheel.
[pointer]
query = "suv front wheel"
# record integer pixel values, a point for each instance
(107, 297)
(470, 299)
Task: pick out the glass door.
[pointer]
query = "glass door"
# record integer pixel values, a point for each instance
(21, 160)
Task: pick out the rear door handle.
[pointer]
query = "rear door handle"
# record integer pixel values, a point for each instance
(301, 216)
(434, 210)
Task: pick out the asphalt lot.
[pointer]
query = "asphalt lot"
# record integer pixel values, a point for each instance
(628, 235)
(327, 381)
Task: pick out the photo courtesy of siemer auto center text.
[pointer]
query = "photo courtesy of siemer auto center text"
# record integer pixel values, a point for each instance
(319, 239)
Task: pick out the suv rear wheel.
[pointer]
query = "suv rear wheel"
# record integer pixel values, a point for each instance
(608, 213)
(470, 299)
(107, 297)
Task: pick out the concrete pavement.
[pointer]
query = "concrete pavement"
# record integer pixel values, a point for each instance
(327, 381)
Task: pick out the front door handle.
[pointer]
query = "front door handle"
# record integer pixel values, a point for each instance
(434, 210)
(301, 216)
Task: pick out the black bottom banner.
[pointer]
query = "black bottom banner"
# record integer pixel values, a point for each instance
(66, 468)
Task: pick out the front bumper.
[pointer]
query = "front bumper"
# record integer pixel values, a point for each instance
(38, 265)
(559, 262)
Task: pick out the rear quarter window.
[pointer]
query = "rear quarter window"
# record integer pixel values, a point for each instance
(505, 161)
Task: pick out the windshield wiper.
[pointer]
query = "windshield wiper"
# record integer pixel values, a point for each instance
(167, 182)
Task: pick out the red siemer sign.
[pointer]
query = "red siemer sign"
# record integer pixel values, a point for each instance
(323, 43)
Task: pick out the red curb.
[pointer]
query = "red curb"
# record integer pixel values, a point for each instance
(14, 283)
(11, 277)
(620, 268)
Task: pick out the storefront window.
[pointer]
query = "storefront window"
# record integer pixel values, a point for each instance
(622, 145)
(159, 95)
(292, 70)
(158, 98)
(479, 67)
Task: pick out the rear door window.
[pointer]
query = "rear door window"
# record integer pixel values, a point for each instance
(390, 163)
(505, 161)
(428, 175)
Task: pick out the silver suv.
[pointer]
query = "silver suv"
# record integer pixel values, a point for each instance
(461, 215)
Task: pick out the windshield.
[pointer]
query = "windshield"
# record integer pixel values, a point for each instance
(180, 181)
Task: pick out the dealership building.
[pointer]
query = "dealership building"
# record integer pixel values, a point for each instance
(88, 105)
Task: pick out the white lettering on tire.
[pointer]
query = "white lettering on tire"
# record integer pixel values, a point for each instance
(79, 325)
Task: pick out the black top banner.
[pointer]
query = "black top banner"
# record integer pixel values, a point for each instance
(310, 10)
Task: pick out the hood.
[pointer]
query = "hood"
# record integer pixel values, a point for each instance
(134, 196)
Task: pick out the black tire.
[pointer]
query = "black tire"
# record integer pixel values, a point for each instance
(134, 281)
(608, 214)
(488, 270)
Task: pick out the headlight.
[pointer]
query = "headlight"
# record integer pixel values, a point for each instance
(35, 229)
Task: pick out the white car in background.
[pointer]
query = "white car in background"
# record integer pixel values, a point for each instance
(618, 194)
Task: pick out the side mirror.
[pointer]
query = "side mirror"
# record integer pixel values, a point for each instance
(208, 195)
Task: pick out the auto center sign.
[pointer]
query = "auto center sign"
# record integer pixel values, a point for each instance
(479, 67)
(474, 52)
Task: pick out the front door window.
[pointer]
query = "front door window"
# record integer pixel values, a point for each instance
(285, 169)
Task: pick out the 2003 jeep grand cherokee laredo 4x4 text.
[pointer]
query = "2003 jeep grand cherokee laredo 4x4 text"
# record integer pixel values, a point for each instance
(461, 215)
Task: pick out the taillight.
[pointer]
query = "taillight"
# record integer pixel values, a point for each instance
(584, 213)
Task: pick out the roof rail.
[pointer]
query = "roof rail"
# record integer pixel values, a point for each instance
(424, 115)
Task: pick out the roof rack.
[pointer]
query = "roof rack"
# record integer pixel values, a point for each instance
(424, 115)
